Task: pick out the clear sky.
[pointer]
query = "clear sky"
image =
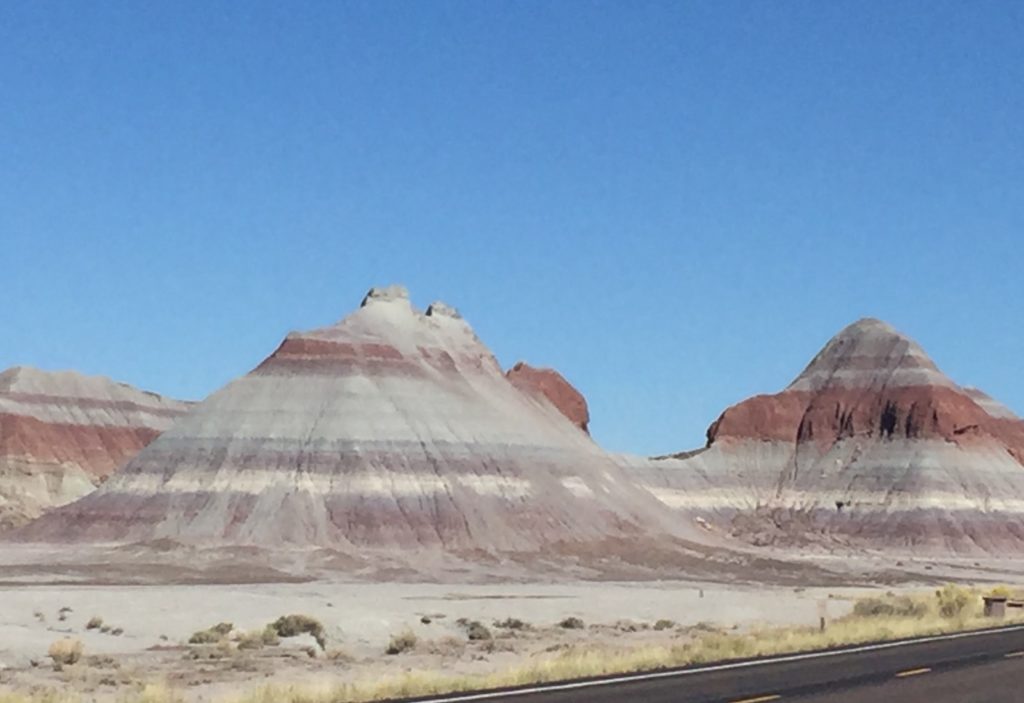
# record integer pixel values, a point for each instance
(676, 204)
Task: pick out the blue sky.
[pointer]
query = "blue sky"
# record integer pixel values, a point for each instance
(676, 204)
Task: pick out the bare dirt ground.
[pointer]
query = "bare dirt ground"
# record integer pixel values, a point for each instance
(156, 623)
(146, 624)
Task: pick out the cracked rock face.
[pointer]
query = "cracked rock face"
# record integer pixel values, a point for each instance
(62, 433)
(870, 445)
(391, 429)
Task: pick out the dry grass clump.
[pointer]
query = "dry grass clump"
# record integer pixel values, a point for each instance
(491, 646)
(889, 606)
(44, 696)
(251, 640)
(572, 623)
(954, 600)
(401, 642)
(630, 626)
(476, 631)
(295, 625)
(664, 624)
(65, 651)
(160, 693)
(951, 602)
(95, 623)
(512, 624)
(212, 635)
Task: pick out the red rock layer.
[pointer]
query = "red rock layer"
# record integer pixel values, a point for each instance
(98, 450)
(61, 433)
(551, 385)
(870, 381)
(833, 414)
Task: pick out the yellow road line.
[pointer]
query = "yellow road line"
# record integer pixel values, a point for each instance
(1014, 655)
(760, 699)
(912, 672)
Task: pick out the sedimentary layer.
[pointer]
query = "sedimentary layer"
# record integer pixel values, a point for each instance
(62, 433)
(871, 446)
(392, 429)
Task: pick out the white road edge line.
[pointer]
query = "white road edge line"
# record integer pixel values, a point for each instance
(654, 675)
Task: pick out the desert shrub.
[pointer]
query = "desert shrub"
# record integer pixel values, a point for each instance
(251, 640)
(270, 636)
(512, 624)
(491, 646)
(628, 626)
(1001, 592)
(204, 637)
(477, 631)
(890, 606)
(664, 624)
(294, 625)
(953, 600)
(402, 642)
(212, 635)
(117, 631)
(101, 661)
(65, 651)
(426, 620)
(572, 623)
(95, 623)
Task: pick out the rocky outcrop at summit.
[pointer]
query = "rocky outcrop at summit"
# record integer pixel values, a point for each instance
(552, 386)
(392, 430)
(871, 444)
(62, 433)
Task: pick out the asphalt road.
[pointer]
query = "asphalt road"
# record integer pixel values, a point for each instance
(983, 667)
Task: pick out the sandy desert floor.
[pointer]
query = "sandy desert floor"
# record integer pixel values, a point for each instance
(146, 626)
(360, 619)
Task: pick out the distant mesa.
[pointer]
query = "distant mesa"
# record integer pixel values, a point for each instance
(871, 425)
(551, 385)
(62, 433)
(392, 429)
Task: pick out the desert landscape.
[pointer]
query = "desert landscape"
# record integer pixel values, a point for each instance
(378, 510)
(519, 351)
